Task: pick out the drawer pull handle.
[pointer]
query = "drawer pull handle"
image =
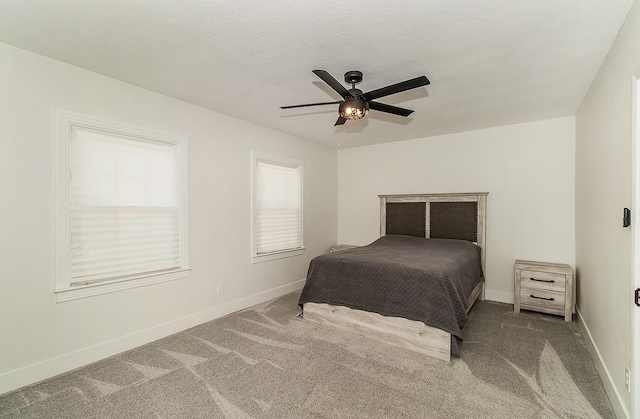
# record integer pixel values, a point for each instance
(550, 281)
(542, 298)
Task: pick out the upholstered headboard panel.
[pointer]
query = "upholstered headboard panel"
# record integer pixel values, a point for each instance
(407, 218)
(460, 216)
(453, 220)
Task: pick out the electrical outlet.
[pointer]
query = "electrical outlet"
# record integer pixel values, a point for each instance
(627, 378)
(220, 289)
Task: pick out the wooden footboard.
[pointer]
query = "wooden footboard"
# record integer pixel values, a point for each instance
(396, 331)
(409, 334)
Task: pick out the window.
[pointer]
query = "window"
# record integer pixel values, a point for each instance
(121, 207)
(277, 207)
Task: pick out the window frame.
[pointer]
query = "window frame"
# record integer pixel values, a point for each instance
(281, 161)
(64, 122)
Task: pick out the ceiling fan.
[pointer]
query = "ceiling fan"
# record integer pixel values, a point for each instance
(355, 104)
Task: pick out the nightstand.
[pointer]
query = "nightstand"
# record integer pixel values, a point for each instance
(544, 287)
(340, 247)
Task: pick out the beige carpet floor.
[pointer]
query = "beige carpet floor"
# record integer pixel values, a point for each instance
(264, 362)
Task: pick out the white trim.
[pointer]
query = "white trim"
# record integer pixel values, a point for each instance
(277, 255)
(284, 161)
(614, 396)
(77, 292)
(500, 296)
(62, 129)
(33, 373)
(64, 121)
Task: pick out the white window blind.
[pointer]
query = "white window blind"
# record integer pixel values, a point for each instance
(278, 218)
(124, 209)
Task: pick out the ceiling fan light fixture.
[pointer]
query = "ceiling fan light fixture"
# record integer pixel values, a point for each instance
(354, 108)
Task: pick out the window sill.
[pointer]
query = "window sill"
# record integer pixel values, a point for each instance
(83, 291)
(277, 255)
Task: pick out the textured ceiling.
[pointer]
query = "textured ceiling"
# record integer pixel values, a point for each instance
(490, 62)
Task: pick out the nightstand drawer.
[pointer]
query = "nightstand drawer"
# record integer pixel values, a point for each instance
(547, 301)
(549, 281)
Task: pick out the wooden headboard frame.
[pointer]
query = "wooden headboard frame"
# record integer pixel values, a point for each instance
(480, 198)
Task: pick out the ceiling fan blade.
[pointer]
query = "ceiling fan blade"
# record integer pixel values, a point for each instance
(332, 82)
(340, 121)
(310, 104)
(390, 109)
(397, 88)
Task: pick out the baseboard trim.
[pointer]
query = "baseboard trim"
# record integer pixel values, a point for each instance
(500, 296)
(15, 379)
(614, 396)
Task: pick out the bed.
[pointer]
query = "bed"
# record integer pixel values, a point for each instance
(414, 286)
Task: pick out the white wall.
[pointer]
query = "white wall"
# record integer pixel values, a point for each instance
(603, 189)
(528, 170)
(40, 337)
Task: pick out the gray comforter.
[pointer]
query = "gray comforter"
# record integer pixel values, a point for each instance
(427, 280)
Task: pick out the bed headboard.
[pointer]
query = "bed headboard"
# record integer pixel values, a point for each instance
(448, 216)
